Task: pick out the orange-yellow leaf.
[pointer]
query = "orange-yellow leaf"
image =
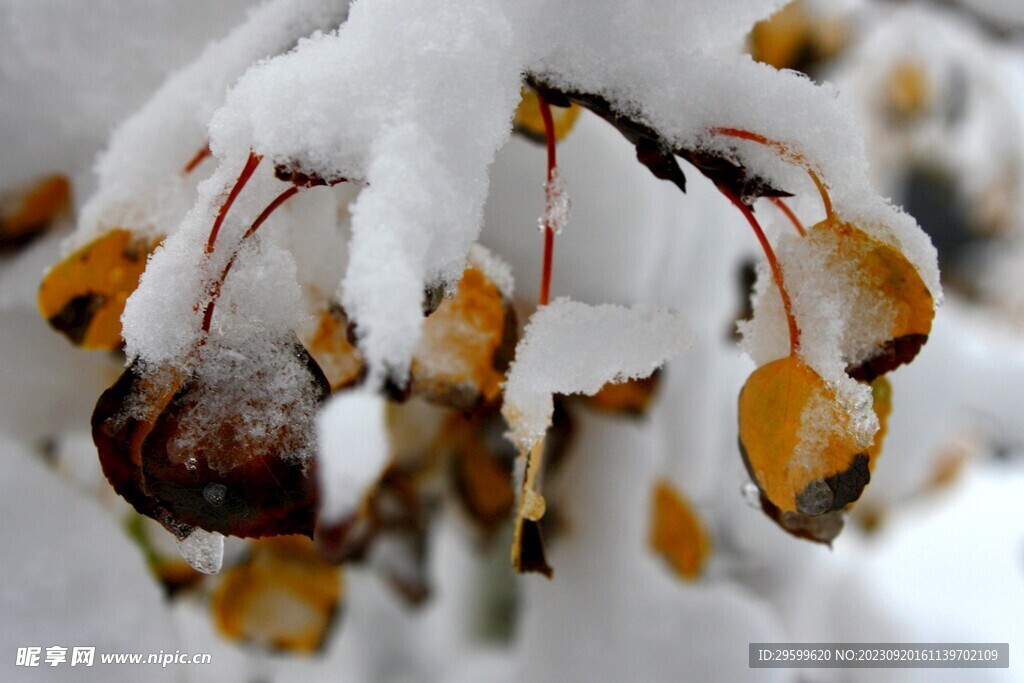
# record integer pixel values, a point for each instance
(801, 468)
(459, 360)
(528, 120)
(83, 296)
(794, 38)
(26, 213)
(284, 596)
(884, 270)
(677, 533)
(881, 395)
(482, 479)
(330, 347)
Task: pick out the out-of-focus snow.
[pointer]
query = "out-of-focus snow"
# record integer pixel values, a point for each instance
(353, 451)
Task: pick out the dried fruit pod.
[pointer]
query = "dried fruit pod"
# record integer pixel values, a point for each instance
(83, 295)
(796, 440)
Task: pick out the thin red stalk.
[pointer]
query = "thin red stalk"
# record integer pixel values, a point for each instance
(826, 200)
(264, 215)
(199, 157)
(794, 331)
(243, 178)
(784, 208)
(549, 233)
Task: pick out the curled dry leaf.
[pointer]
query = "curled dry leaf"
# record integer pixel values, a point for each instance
(27, 213)
(796, 442)
(677, 533)
(224, 479)
(283, 596)
(83, 295)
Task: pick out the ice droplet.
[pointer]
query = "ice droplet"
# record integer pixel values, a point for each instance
(556, 204)
(215, 494)
(203, 550)
(751, 495)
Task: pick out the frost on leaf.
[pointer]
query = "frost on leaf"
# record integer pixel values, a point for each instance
(84, 295)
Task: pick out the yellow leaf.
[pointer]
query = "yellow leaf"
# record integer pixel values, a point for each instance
(26, 213)
(677, 533)
(881, 395)
(83, 296)
(330, 347)
(461, 357)
(284, 596)
(528, 120)
(812, 476)
(882, 269)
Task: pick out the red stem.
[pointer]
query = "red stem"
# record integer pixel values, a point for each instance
(826, 200)
(794, 331)
(777, 201)
(200, 156)
(264, 215)
(243, 178)
(549, 234)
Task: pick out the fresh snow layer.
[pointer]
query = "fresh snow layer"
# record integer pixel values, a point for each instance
(572, 348)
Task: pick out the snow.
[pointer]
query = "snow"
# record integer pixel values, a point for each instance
(141, 184)
(494, 269)
(572, 348)
(556, 203)
(354, 450)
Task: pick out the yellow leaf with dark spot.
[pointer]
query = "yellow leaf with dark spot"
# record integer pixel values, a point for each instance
(796, 475)
(83, 295)
(528, 120)
(882, 269)
(284, 596)
(677, 533)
